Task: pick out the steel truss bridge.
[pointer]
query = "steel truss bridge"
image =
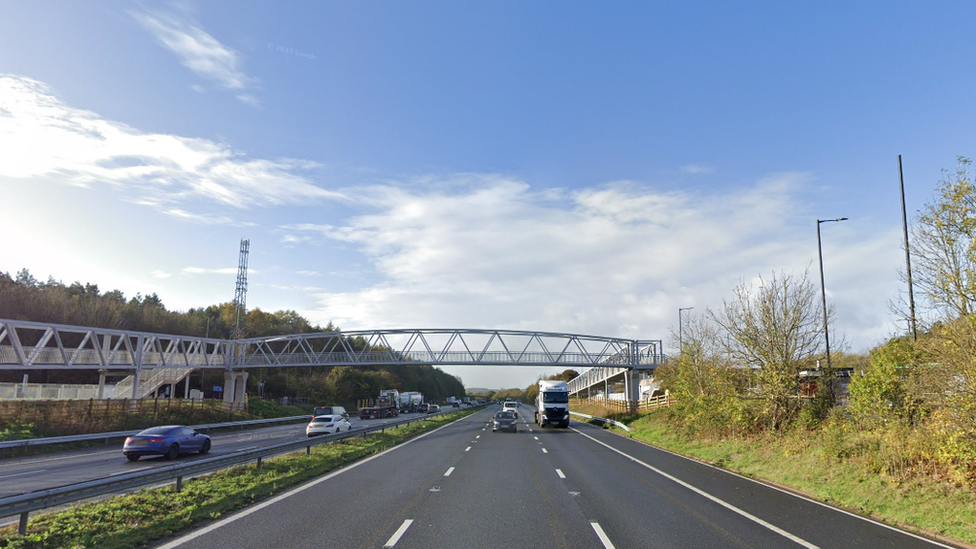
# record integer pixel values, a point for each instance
(30, 346)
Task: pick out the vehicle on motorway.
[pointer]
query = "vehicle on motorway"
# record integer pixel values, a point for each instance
(552, 403)
(505, 421)
(433, 409)
(410, 401)
(422, 408)
(387, 405)
(323, 425)
(456, 404)
(165, 440)
(510, 406)
(330, 410)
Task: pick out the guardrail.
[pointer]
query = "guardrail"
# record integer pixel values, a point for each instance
(602, 419)
(24, 504)
(122, 434)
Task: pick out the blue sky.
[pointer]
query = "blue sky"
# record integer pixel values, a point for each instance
(555, 166)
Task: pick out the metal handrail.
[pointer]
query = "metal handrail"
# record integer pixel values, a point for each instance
(24, 504)
(120, 434)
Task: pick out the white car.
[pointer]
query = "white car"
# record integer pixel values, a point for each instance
(323, 425)
(510, 407)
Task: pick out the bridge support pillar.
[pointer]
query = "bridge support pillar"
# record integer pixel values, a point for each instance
(235, 386)
(101, 385)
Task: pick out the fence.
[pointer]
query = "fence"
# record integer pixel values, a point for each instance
(628, 406)
(45, 391)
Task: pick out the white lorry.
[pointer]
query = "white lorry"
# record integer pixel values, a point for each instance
(552, 404)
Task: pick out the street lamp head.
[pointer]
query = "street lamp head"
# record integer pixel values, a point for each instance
(819, 221)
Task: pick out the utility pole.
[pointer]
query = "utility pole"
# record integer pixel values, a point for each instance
(908, 255)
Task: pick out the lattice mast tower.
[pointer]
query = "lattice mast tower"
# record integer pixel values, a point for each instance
(240, 295)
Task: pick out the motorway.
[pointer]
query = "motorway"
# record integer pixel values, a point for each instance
(464, 486)
(33, 473)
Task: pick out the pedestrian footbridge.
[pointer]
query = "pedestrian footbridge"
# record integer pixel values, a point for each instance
(30, 346)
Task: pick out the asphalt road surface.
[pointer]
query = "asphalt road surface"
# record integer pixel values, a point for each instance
(33, 473)
(463, 486)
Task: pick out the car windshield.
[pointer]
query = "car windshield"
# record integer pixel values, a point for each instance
(555, 398)
(158, 431)
(322, 419)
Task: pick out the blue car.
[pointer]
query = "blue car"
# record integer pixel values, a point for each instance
(168, 440)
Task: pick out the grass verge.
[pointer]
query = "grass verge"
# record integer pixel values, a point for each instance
(136, 519)
(796, 460)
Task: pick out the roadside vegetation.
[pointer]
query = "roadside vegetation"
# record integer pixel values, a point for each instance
(136, 519)
(755, 392)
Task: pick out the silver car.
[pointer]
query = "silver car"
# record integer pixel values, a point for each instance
(505, 421)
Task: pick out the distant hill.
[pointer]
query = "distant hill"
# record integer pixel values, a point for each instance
(479, 390)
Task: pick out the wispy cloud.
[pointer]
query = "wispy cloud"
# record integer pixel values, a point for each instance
(205, 219)
(695, 169)
(223, 271)
(309, 273)
(615, 259)
(160, 274)
(42, 136)
(198, 51)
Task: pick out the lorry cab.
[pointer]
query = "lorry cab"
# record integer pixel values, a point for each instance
(552, 404)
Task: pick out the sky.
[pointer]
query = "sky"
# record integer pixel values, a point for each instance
(565, 166)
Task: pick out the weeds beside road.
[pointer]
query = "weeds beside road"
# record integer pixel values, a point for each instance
(808, 461)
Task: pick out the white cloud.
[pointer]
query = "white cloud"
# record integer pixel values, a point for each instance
(695, 169)
(201, 270)
(42, 136)
(309, 273)
(618, 260)
(205, 219)
(160, 274)
(200, 52)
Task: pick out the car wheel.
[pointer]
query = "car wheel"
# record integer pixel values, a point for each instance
(173, 451)
(206, 447)
(338, 429)
(132, 457)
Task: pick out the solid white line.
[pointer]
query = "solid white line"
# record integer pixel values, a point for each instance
(560, 473)
(193, 535)
(601, 534)
(796, 495)
(76, 456)
(35, 471)
(449, 471)
(544, 451)
(399, 533)
(729, 506)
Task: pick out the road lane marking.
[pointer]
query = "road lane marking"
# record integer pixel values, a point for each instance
(560, 473)
(468, 449)
(75, 456)
(537, 438)
(449, 471)
(544, 451)
(32, 472)
(478, 436)
(251, 510)
(399, 533)
(601, 534)
(729, 506)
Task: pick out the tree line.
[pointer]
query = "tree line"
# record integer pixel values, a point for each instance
(23, 297)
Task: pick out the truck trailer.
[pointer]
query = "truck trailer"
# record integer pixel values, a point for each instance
(387, 405)
(410, 401)
(552, 404)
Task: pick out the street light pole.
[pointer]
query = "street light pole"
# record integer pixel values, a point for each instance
(823, 292)
(681, 346)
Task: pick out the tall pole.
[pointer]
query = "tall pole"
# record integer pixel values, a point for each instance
(908, 255)
(681, 346)
(823, 292)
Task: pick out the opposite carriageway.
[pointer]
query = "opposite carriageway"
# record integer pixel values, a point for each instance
(31, 346)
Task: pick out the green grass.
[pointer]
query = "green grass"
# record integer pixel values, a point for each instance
(925, 503)
(152, 514)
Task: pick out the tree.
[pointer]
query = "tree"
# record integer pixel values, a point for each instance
(774, 329)
(943, 245)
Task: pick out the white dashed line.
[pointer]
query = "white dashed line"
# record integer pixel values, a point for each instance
(399, 533)
(544, 451)
(560, 473)
(599, 532)
(449, 471)
(537, 438)
(468, 449)
(478, 436)
(34, 472)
